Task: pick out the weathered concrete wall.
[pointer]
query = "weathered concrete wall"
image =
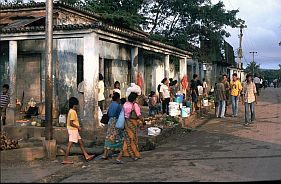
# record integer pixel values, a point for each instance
(30, 78)
(114, 51)
(65, 18)
(67, 51)
(158, 73)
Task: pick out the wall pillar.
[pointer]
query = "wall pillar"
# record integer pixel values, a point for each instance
(167, 66)
(101, 66)
(134, 64)
(13, 56)
(183, 70)
(91, 74)
(141, 70)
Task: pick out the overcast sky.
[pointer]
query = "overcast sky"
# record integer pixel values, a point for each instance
(263, 32)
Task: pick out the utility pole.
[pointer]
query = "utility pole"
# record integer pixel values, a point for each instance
(49, 143)
(240, 52)
(253, 69)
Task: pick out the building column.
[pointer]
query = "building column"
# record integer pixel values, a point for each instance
(134, 64)
(183, 70)
(141, 70)
(13, 57)
(167, 66)
(197, 68)
(91, 76)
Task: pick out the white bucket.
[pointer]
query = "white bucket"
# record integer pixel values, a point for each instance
(185, 112)
(205, 103)
(62, 118)
(174, 109)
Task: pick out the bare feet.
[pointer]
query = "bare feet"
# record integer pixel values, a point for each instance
(89, 157)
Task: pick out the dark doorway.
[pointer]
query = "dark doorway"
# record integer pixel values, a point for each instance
(80, 70)
(108, 80)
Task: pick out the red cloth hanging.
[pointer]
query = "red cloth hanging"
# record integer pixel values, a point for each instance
(184, 82)
(139, 80)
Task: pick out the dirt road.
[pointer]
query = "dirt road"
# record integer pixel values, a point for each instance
(220, 150)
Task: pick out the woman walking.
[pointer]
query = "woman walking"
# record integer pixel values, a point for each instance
(114, 136)
(132, 114)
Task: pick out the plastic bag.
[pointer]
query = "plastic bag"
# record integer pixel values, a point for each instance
(121, 120)
(154, 131)
(100, 117)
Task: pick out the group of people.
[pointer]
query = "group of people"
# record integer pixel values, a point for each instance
(122, 140)
(225, 91)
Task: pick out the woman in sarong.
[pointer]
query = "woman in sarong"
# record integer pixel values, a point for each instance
(114, 136)
(130, 146)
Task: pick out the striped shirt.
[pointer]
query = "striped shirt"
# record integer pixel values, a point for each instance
(249, 91)
(4, 100)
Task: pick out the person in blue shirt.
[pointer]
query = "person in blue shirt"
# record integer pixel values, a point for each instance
(114, 137)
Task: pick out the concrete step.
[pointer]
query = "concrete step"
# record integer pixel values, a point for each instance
(23, 154)
(75, 149)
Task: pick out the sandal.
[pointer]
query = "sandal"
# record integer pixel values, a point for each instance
(119, 162)
(135, 159)
(67, 162)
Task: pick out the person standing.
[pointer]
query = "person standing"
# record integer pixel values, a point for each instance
(4, 101)
(101, 98)
(114, 136)
(257, 83)
(235, 87)
(249, 99)
(227, 89)
(205, 87)
(130, 146)
(220, 98)
(194, 92)
(200, 94)
(165, 95)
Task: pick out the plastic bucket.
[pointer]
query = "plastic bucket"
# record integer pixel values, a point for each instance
(179, 98)
(205, 102)
(173, 108)
(185, 112)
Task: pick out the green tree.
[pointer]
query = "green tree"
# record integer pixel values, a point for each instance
(180, 22)
(253, 68)
(117, 12)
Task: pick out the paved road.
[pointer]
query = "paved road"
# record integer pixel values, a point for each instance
(220, 150)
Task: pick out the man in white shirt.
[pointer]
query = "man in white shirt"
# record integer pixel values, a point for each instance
(257, 83)
(165, 95)
(101, 98)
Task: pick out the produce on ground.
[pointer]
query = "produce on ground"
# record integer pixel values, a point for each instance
(7, 143)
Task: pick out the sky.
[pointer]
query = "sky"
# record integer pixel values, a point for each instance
(263, 32)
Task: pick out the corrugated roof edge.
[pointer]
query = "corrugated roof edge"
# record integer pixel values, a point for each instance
(57, 4)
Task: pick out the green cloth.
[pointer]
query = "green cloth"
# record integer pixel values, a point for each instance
(114, 136)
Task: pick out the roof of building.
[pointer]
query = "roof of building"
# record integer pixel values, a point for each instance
(8, 7)
(21, 18)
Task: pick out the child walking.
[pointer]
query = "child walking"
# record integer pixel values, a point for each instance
(73, 128)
